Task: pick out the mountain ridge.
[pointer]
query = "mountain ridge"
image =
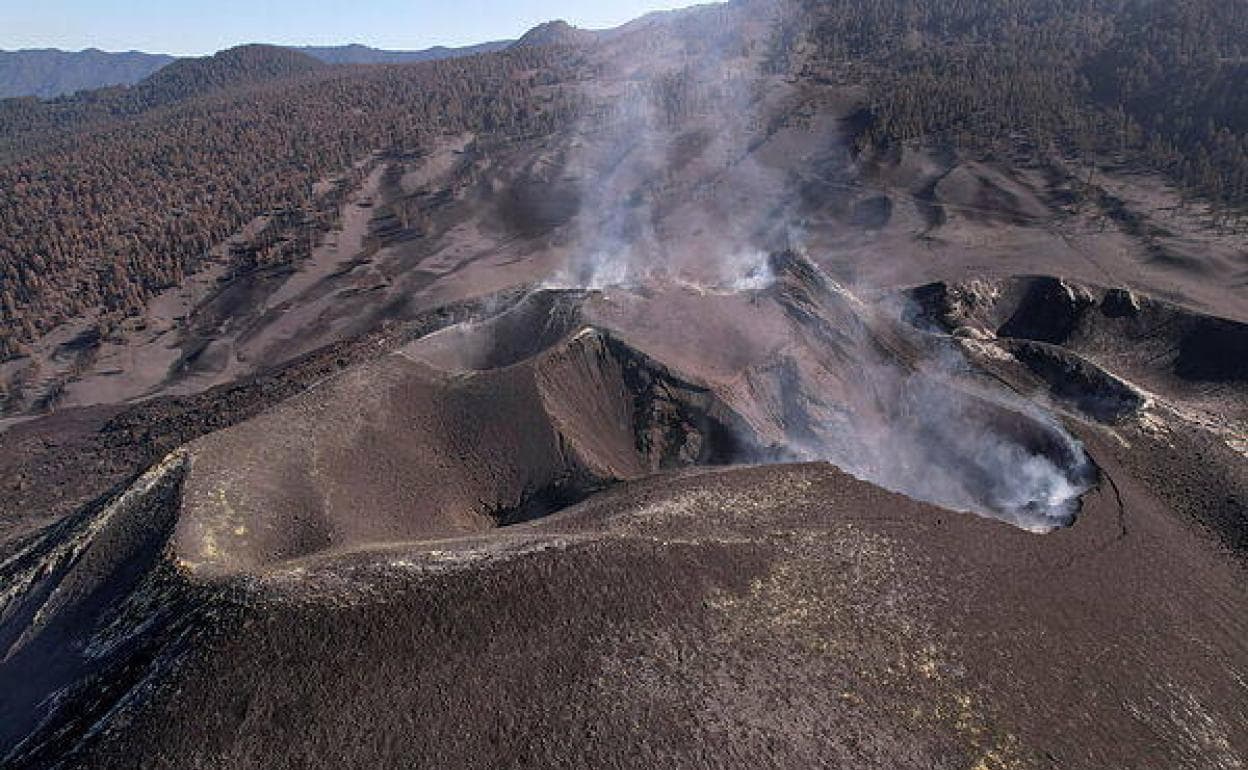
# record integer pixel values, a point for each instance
(358, 53)
(185, 78)
(556, 32)
(51, 72)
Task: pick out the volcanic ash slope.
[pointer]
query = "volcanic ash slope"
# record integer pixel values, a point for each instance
(506, 543)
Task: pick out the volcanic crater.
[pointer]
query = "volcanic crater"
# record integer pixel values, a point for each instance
(698, 431)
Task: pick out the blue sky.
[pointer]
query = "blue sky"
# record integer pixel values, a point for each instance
(190, 27)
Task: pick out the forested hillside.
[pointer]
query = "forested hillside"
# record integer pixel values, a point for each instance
(1158, 83)
(27, 122)
(362, 54)
(243, 65)
(107, 212)
(112, 195)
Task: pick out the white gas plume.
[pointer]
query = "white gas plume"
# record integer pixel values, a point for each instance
(688, 178)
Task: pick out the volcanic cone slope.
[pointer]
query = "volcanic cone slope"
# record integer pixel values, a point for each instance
(783, 614)
(467, 548)
(512, 416)
(396, 450)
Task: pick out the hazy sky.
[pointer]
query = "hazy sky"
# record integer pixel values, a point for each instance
(187, 27)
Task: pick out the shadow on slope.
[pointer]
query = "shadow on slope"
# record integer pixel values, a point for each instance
(398, 450)
(91, 613)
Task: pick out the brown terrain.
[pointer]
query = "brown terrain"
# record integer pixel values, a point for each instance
(684, 440)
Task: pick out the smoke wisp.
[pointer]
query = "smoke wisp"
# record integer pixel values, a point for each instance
(690, 171)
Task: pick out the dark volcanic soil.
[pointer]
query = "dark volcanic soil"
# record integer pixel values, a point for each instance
(786, 615)
(693, 439)
(378, 552)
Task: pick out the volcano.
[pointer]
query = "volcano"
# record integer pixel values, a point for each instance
(446, 499)
(675, 416)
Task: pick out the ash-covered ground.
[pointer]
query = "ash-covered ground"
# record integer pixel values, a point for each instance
(682, 438)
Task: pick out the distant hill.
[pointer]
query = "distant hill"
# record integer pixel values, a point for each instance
(243, 65)
(362, 54)
(50, 72)
(555, 33)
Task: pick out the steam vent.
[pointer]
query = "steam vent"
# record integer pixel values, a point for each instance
(759, 384)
